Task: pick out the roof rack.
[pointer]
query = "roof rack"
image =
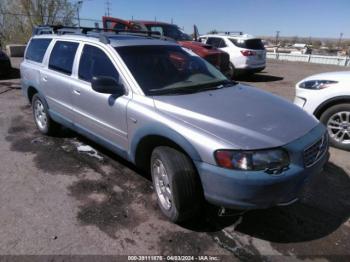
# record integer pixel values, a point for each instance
(230, 32)
(102, 33)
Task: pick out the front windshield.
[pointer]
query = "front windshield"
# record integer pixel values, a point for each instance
(171, 31)
(169, 69)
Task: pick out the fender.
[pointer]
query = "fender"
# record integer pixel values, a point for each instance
(164, 131)
(330, 102)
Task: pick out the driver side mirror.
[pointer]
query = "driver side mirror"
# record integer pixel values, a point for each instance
(107, 85)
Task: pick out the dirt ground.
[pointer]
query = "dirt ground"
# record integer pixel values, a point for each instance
(60, 197)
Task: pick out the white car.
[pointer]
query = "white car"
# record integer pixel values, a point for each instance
(327, 97)
(247, 53)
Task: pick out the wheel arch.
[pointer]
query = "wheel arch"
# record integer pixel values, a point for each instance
(31, 91)
(329, 103)
(146, 139)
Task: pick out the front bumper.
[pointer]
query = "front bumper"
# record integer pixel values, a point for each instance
(255, 190)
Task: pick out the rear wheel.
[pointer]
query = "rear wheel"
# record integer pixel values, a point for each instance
(42, 119)
(176, 184)
(337, 121)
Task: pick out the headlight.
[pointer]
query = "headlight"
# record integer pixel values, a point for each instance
(317, 84)
(269, 160)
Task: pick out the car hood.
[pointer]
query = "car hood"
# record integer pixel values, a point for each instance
(243, 116)
(334, 76)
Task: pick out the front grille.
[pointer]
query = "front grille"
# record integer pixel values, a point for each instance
(315, 152)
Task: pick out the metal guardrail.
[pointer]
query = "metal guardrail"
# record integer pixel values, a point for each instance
(317, 59)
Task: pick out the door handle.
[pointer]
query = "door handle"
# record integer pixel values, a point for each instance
(77, 92)
(45, 78)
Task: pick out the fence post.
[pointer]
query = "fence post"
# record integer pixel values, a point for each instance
(347, 61)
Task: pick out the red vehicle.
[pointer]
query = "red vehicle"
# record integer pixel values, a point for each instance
(213, 55)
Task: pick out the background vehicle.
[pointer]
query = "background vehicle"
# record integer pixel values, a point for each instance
(247, 53)
(147, 100)
(327, 97)
(5, 63)
(213, 55)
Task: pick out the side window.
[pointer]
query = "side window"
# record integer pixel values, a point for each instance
(157, 29)
(62, 56)
(37, 49)
(94, 62)
(222, 43)
(214, 41)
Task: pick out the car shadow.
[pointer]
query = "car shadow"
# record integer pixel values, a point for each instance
(13, 73)
(255, 78)
(324, 207)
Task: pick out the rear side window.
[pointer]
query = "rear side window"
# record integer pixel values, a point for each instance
(216, 42)
(94, 62)
(37, 49)
(255, 44)
(62, 56)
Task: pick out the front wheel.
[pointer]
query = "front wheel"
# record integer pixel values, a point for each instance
(176, 184)
(337, 121)
(232, 71)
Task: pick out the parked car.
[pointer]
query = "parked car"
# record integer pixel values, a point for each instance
(327, 97)
(213, 55)
(168, 111)
(5, 63)
(247, 53)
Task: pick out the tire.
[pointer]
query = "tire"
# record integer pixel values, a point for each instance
(232, 71)
(184, 197)
(42, 118)
(337, 121)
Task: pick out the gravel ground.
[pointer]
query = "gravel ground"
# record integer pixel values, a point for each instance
(65, 195)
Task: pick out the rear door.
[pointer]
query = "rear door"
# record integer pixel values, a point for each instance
(102, 115)
(56, 78)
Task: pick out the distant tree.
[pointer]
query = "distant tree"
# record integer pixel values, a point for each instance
(329, 44)
(19, 17)
(214, 31)
(295, 39)
(316, 44)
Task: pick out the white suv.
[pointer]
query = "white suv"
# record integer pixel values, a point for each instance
(247, 53)
(327, 97)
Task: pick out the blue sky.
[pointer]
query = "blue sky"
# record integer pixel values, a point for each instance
(316, 18)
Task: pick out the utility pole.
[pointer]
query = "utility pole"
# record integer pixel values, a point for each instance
(340, 38)
(108, 8)
(277, 36)
(79, 4)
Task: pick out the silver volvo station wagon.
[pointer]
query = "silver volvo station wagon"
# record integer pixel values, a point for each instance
(160, 106)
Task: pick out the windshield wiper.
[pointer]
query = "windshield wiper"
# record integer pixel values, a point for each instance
(193, 88)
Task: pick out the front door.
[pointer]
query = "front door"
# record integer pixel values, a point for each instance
(103, 115)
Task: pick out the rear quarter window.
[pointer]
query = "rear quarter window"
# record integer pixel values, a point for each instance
(255, 44)
(62, 56)
(37, 49)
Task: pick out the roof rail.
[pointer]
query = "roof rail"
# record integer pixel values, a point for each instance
(102, 33)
